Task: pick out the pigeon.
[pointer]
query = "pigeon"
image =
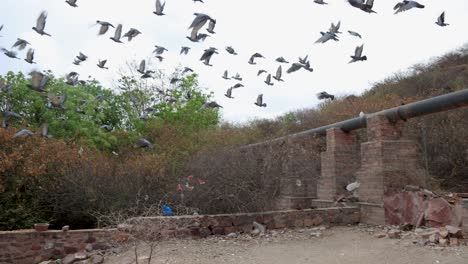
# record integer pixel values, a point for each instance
(5, 124)
(237, 77)
(187, 69)
(131, 34)
(175, 80)
(101, 64)
(148, 74)
(229, 93)
(326, 37)
(23, 132)
(71, 3)
(206, 57)
(104, 27)
(117, 34)
(38, 81)
(211, 26)
(320, 2)
(335, 29)
(199, 21)
(230, 50)
(325, 95)
(406, 5)
(10, 53)
(282, 60)
(142, 67)
(365, 6)
(72, 78)
(20, 44)
(225, 75)
(82, 57)
(143, 143)
(40, 24)
(237, 85)
(30, 57)
(441, 20)
(184, 50)
(268, 80)
(11, 114)
(260, 72)
(358, 54)
(253, 57)
(159, 50)
(259, 101)
(201, 1)
(57, 100)
(211, 104)
(159, 57)
(278, 74)
(297, 66)
(1, 27)
(303, 60)
(353, 33)
(76, 62)
(108, 128)
(159, 8)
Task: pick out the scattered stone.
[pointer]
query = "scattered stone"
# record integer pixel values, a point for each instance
(255, 232)
(89, 247)
(316, 234)
(443, 242)
(454, 242)
(232, 235)
(394, 234)
(259, 226)
(69, 259)
(97, 259)
(454, 231)
(443, 233)
(434, 238)
(380, 235)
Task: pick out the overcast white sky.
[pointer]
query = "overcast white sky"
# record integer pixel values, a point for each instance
(273, 28)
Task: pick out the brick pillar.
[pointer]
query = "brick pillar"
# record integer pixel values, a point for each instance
(465, 216)
(388, 160)
(339, 164)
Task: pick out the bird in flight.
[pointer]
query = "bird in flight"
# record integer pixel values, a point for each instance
(159, 8)
(406, 5)
(41, 23)
(117, 34)
(358, 54)
(441, 20)
(365, 6)
(259, 101)
(72, 3)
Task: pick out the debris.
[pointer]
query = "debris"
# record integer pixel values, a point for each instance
(394, 234)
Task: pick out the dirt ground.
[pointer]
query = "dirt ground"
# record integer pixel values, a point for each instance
(347, 245)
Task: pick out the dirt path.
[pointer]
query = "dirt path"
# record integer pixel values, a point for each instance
(347, 245)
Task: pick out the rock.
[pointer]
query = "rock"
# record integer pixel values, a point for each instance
(89, 247)
(65, 228)
(47, 262)
(316, 234)
(394, 234)
(69, 259)
(419, 242)
(259, 226)
(454, 242)
(443, 233)
(274, 233)
(255, 232)
(96, 259)
(380, 235)
(232, 235)
(454, 231)
(439, 212)
(406, 227)
(434, 238)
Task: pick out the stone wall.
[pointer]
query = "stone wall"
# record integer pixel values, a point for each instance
(29, 246)
(465, 216)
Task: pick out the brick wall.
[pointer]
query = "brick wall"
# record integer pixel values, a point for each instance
(465, 217)
(29, 246)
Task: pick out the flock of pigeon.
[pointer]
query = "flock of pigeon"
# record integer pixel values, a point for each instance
(39, 80)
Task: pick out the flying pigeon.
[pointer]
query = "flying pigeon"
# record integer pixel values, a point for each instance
(159, 50)
(1, 27)
(23, 132)
(268, 80)
(199, 21)
(101, 64)
(71, 3)
(282, 60)
(237, 85)
(325, 95)
(212, 104)
(237, 77)
(187, 69)
(38, 81)
(326, 37)
(30, 56)
(225, 75)
(201, 1)
(184, 50)
(108, 128)
(20, 44)
(260, 72)
(364, 6)
(303, 60)
(147, 74)
(82, 57)
(229, 93)
(441, 20)
(259, 101)
(211, 26)
(57, 100)
(117, 34)
(142, 67)
(143, 143)
(253, 57)
(159, 8)
(406, 5)
(159, 57)
(358, 54)
(231, 50)
(10, 53)
(353, 33)
(131, 34)
(335, 29)
(40, 24)
(320, 2)
(11, 114)
(76, 62)
(104, 27)
(207, 55)
(278, 74)
(72, 78)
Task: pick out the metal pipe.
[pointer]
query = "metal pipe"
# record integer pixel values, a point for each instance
(420, 108)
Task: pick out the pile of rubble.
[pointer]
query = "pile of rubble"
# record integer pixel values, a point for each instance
(433, 237)
(89, 256)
